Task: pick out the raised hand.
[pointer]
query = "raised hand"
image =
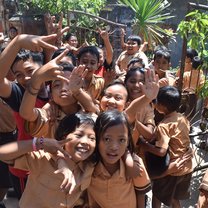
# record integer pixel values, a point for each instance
(36, 43)
(151, 86)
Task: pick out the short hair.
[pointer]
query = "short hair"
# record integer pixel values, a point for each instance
(170, 97)
(26, 55)
(136, 38)
(136, 60)
(106, 120)
(191, 53)
(69, 124)
(131, 72)
(69, 54)
(89, 49)
(196, 62)
(162, 54)
(160, 48)
(113, 83)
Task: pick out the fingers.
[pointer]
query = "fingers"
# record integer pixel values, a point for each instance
(58, 58)
(63, 142)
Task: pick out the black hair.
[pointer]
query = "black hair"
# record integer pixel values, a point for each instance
(191, 53)
(69, 124)
(13, 28)
(160, 48)
(106, 120)
(136, 60)
(115, 82)
(170, 97)
(131, 72)
(196, 62)
(69, 54)
(26, 55)
(89, 49)
(162, 54)
(136, 38)
(68, 36)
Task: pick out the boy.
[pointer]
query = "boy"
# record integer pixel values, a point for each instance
(172, 137)
(93, 84)
(23, 65)
(161, 65)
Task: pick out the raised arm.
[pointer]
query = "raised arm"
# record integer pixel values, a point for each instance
(7, 57)
(47, 72)
(109, 50)
(150, 90)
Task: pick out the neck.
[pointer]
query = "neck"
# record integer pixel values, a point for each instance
(112, 168)
(73, 108)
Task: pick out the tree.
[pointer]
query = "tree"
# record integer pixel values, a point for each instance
(195, 30)
(149, 17)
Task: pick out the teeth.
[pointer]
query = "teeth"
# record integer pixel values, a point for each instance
(80, 149)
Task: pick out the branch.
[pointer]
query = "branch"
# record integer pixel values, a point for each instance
(100, 18)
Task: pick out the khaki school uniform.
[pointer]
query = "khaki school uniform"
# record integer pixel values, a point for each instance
(43, 186)
(110, 191)
(95, 87)
(173, 135)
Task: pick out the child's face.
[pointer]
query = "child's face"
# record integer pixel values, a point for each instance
(82, 143)
(133, 86)
(132, 47)
(61, 93)
(161, 65)
(23, 71)
(113, 144)
(73, 41)
(114, 98)
(91, 63)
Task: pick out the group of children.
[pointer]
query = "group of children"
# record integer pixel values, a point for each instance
(87, 134)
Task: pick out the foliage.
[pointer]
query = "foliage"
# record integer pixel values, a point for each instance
(149, 17)
(56, 6)
(195, 30)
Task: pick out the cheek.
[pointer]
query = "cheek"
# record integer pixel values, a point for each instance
(121, 105)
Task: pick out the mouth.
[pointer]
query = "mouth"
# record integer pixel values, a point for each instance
(82, 150)
(112, 156)
(110, 107)
(64, 95)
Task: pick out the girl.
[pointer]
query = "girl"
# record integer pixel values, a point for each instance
(43, 185)
(109, 185)
(144, 124)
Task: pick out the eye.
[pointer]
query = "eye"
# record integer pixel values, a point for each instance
(122, 140)
(107, 96)
(92, 138)
(106, 139)
(118, 98)
(78, 135)
(19, 76)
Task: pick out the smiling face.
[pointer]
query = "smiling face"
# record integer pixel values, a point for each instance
(82, 143)
(132, 47)
(161, 65)
(133, 86)
(113, 144)
(115, 97)
(23, 71)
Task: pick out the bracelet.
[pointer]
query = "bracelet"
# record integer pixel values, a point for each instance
(34, 144)
(39, 143)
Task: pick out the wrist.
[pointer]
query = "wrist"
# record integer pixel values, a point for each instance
(76, 93)
(37, 143)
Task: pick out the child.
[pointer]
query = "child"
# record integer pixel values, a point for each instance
(144, 124)
(161, 66)
(43, 185)
(109, 185)
(132, 50)
(190, 54)
(93, 84)
(172, 137)
(23, 65)
(193, 79)
(65, 94)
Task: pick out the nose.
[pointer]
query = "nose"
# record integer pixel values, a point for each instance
(84, 140)
(114, 146)
(65, 86)
(111, 100)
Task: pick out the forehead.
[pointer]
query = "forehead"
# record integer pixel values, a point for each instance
(73, 38)
(114, 129)
(88, 56)
(66, 74)
(161, 59)
(21, 65)
(132, 42)
(117, 89)
(136, 75)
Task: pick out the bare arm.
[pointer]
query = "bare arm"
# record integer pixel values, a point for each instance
(109, 50)
(7, 57)
(150, 90)
(147, 131)
(47, 72)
